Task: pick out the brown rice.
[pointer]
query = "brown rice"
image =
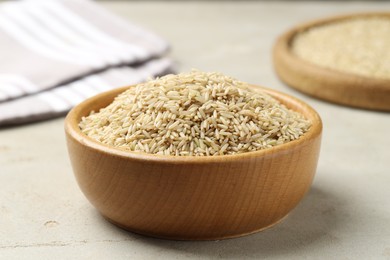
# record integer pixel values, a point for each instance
(358, 45)
(194, 113)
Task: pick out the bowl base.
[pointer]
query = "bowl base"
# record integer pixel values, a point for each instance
(189, 238)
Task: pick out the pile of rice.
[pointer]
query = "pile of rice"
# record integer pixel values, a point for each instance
(194, 113)
(357, 45)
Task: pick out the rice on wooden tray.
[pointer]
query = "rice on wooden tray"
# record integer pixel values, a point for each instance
(195, 113)
(359, 45)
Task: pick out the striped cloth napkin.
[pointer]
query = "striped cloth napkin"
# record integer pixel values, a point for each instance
(56, 53)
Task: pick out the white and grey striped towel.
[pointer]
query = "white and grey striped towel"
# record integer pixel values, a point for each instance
(55, 53)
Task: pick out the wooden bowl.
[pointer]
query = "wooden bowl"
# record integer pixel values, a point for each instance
(328, 84)
(188, 197)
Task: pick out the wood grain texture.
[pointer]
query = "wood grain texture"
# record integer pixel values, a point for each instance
(327, 84)
(193, 198)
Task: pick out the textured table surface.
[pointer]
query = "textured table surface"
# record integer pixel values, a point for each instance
(346, 214)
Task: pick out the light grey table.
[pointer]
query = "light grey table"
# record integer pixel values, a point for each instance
(346, 215)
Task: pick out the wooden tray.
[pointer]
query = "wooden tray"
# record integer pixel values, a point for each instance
(328, 84)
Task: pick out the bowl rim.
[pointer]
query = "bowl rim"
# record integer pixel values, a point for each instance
(73, 131)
